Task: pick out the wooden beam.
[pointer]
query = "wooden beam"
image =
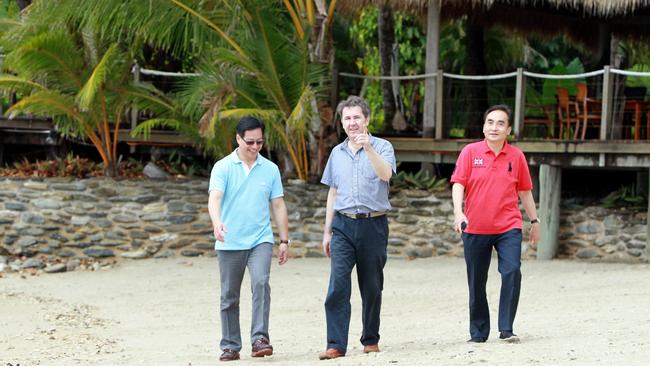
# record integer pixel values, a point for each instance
(520, 104)
(550, 188)
(156, 138)
(430, 145)
(431, 66)
(606, 113)
(26, 124)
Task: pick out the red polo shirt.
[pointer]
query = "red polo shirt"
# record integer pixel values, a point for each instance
(491, 186)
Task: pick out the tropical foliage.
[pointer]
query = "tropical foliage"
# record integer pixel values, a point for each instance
(260, 68)
(78, 80)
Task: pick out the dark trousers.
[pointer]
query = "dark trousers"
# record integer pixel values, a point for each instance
(478, 253)
(360, 242)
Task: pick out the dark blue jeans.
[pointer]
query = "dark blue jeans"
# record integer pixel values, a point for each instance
(478, 253)
(360, 242)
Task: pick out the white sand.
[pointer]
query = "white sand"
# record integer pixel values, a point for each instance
(165, 312)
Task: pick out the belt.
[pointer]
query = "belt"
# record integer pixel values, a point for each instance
(363, 215)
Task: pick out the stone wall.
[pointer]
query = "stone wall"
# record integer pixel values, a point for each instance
(61, 224)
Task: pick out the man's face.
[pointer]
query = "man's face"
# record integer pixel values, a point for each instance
(251, 144)
(354, 122)
(496, 127)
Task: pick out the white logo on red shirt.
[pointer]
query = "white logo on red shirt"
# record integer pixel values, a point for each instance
(478, 162)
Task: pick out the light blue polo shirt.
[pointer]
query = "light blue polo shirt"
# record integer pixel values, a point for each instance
(245, 204)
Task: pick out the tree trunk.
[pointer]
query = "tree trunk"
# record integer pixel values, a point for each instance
(22, 4)
(386, 33)
(476, 95)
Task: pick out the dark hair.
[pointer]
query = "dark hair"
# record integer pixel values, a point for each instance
(498, 107)
(248, 123)
(354, 101)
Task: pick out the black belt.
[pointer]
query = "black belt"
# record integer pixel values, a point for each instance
(363, 215)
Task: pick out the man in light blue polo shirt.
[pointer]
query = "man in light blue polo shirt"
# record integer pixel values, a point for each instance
(356, 227)
(241, 186)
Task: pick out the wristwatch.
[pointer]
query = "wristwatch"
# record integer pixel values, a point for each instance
(535, 221)
(287, 242)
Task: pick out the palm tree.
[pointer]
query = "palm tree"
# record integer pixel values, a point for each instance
(259, 68)
(79, 81)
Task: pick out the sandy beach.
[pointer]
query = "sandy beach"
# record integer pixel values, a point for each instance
(165, 312)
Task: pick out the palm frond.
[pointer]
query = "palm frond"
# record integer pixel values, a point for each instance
(50, 56)
(46, 103)
(13, 84)
(88, 92)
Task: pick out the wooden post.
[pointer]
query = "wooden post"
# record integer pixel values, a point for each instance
(134, 109)
(520, 104)
(2, 64)
(606, 114)
(647, 240)
(550, 188)
(431, 66)
(439, 101)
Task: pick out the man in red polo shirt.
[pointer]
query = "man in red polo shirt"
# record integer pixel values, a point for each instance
(491, 175)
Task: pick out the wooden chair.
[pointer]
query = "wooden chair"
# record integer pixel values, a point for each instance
(567, 112)
(589, 109)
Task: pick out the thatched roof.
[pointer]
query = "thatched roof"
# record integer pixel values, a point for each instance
(588, 8)
(581, 19)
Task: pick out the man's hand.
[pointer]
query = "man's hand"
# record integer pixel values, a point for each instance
(283, 253)
(327, 237)
(363, 138)
(534, 235)
(220, 231)
(459, 218)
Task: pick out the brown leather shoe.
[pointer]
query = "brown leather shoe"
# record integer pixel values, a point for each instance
(229, 355)
(330, 353)
(261, 348)
(369, 348)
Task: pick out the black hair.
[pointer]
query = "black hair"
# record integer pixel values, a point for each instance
(248, 123)
(499, 107)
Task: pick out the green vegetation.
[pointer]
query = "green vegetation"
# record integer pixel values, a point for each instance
(420, 180)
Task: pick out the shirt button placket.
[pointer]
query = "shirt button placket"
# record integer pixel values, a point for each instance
(355, 180)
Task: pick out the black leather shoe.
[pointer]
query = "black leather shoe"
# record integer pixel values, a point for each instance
(229, 355)
(508, 337)
(477, 340)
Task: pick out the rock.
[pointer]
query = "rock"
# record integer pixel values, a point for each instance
(152, 229)
(55, 268)
(72, 264)
(78, 187)
(165, 254)
(136, 234)
(587, 253)
(105, 192)
(32, 263)
(590, 227)
(163, 237)
(190, 253)
(156, 216)
(635, 252)
(125, 218)
(80, 220)
(180, 219)
(98, 252)
(39, 186)
(203, 246)
(31, 231)
(104, 223)
(27, 241)
(395, 242)
(15, 206)
(30, 218)
(152, 171)
(636, 244)
(66, 253)
(136, 254)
